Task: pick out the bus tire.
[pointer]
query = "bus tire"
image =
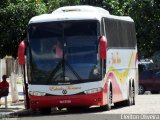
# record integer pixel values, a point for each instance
(131, 96)
(45, 111)
(154, 92)
(72, 109)
(133, 92)
(109, 99)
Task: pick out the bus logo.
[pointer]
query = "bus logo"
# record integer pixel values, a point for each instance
(64, 92)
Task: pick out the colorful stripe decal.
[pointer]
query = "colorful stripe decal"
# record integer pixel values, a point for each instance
(121, 76)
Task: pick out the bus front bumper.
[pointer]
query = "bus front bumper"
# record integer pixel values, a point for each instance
(87, 100)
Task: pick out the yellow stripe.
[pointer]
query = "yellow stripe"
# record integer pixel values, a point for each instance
(122, 76)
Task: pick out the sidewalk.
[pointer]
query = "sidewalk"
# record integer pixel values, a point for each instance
(12, 107)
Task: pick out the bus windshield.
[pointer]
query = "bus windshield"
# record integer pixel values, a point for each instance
(63, 52)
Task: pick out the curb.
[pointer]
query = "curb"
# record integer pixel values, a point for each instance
(12, 107)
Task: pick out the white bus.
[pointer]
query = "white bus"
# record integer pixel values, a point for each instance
(79, 56)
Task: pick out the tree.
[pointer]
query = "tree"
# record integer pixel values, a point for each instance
(53, 4)
(13, 23)
(15, 15)
(116, 7)
(146, 14)
(3, 3)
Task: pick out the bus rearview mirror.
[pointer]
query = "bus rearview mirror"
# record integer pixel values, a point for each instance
(103, 47)
(21, 53)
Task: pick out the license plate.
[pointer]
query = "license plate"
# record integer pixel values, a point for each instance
(64, 101)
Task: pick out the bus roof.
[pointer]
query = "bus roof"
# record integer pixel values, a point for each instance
(81, 12)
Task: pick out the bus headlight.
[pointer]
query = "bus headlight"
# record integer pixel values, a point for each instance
(36, 93)
(91, 91)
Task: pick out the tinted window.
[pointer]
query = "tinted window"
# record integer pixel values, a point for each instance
(120, 33)
(157, 74)
(146, 75)
(64, 51)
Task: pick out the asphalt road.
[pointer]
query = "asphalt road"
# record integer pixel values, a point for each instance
(147, 107)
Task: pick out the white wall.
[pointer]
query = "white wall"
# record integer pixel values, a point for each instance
(2, 68)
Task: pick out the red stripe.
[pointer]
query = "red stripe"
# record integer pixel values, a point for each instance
(66, 101)
(117, 93)
(97, 99)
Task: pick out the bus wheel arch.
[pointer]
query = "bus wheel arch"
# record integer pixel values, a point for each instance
(109, 97)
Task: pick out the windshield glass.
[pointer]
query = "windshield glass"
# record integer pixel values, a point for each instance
(64, 52)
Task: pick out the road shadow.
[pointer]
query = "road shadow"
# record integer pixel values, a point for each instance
(54, 112)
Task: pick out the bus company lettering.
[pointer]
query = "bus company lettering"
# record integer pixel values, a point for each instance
(115, 58)
(64, 88)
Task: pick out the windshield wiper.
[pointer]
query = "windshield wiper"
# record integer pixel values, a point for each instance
(54, 72)
(73, 71)
(52, 75)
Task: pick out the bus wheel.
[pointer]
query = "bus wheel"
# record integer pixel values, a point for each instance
(154, 92)
(70, 109)
(77, 108)
(45, 110)
(109, 100)
(131, 97)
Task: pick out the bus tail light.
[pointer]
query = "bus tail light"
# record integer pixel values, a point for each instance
(103, 47)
